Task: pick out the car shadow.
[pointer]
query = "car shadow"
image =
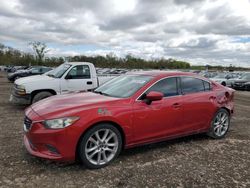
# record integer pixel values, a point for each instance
(163, 144)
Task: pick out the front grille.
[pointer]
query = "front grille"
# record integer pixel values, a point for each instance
(27, 123)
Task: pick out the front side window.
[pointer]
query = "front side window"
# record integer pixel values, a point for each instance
(246, 76)
(123, 86)
(167, 86)
(35, 70)
(79, 72)
(191, 85)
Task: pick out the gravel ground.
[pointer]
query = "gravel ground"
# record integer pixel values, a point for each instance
(194, 161)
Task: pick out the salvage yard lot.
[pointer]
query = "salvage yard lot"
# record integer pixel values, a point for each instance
(194, 161)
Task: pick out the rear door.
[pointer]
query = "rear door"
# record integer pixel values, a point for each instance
(77, 79)
(198, 103)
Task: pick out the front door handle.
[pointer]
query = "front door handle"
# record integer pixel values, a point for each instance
(176, 105)
(89, 83)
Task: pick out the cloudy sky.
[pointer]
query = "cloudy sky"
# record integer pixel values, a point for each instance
(213, 32)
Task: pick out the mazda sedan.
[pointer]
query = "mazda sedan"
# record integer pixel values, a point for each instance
(130, 110)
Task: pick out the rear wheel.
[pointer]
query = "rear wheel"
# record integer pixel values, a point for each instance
(100, 146)
(41, 95)
(220, 124)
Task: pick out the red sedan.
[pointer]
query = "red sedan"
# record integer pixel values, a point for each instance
(130, 110)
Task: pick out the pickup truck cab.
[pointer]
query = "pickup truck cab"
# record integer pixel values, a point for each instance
(68, 77)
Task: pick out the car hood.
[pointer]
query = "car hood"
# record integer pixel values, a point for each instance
(36, 78)
(68, 104)
(240, 81)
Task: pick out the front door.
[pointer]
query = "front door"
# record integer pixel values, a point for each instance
(160, 118)
(77, 79)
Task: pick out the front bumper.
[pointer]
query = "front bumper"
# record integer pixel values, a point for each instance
(33, 151)
(52, 144)
(18, 99)
(239, 86)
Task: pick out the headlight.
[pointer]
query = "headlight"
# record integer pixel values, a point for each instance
(20, 89)
(60, 123)
(19, 86)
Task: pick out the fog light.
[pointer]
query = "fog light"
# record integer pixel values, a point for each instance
(52, 149)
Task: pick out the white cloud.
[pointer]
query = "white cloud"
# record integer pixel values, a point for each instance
(202, 32)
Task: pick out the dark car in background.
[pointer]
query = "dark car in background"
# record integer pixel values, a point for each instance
(37, 70)
(243, 83)
(12, 69)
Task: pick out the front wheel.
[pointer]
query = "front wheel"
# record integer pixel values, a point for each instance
(41, 95)
(100, 146)
(220, 124)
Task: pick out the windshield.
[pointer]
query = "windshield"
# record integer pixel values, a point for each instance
(123, 86)
(59, 71)
(245, 76)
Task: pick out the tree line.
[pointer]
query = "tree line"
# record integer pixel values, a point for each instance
(11, 56)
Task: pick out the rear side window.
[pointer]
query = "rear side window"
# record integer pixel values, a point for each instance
(167, 86)
(192, 85)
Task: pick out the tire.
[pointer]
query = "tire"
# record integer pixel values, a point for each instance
(41, 95)
(102, 151)
(219, 129)
(224, 84)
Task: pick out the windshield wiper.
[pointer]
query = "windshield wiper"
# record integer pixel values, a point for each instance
(101, 93)
(51, 75)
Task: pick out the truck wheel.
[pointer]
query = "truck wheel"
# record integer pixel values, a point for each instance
(220, 124)
(41, 95)
(100, 146)
(223, 83)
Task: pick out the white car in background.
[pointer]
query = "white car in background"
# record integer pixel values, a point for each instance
(225, 79)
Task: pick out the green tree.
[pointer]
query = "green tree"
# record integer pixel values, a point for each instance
(40, 50)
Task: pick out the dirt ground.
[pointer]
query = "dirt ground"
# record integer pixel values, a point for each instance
(194, 161)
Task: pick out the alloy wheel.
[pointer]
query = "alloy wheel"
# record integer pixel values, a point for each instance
(221, 124)
(101, 147)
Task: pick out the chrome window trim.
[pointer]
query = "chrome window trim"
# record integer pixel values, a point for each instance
(179, 76)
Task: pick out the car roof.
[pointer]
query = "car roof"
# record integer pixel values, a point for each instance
(163, 73)
(78, 63)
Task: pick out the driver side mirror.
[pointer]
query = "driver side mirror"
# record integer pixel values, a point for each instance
(153, 96)
(68, 77)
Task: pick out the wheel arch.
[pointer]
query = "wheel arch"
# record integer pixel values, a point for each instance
(33, 93)
(227, 109)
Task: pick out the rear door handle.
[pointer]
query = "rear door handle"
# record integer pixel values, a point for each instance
(176, 105)
(89, 83)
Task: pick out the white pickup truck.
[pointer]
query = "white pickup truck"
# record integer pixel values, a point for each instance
(67, 78)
